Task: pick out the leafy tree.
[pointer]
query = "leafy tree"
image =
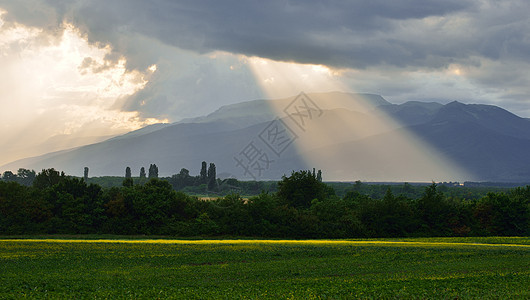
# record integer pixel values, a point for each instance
(204, 174)
(77, 207)
(9, 176)
(25, 176)
(128, 172)
(407, 189)
(119, 216)
(142, 172)
(182, 179)
(204, 225)
(433, 211)
(460, 220)
(212, 177)
(319, 175)
(12, 217)
(264, 213)
(335, 218)
(48, 178)
(128, 182)
(520, 206)
(502, 214)
(358, 186)
(389, 217)
(299, 189)
(22, 210)
(155, 206)
(231, 213)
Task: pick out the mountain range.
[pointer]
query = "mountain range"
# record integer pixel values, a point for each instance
(348, 136)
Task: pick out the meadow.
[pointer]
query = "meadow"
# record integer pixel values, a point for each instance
(246, 269)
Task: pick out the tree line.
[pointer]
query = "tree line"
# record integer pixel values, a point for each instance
(302, 207)
(207, 178)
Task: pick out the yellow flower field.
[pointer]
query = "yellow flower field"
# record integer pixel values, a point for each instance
(286, 269)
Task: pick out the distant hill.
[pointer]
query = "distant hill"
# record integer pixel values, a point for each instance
(348, 136)
(488, 141)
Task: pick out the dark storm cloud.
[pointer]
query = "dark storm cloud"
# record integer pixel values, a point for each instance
(339, 33)
(485, 36)
(353, 34)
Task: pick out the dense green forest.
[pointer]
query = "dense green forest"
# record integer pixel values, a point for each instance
(298, 206)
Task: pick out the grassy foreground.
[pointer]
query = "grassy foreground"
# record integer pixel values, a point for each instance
(200, 269)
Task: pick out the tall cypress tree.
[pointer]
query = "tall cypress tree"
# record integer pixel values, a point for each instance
(212, 180)
(142, 172)
(203, 174)
(150, 171)
(128, 172)
(85, 176)
(319, 175)
(153, 171)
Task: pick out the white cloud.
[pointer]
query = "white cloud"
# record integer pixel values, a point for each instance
(46, 91)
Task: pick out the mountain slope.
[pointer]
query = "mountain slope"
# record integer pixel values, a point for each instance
(412, 112)
(488, 116)
(488, 141)
(185, 145)
(352, 137)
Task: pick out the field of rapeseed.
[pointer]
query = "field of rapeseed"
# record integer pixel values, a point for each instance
(382, 268)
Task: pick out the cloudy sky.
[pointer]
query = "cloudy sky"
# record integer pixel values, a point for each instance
(86, 68)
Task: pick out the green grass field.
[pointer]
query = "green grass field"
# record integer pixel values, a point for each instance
(204, 269)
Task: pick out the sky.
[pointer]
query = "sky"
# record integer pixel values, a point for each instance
(72, 71)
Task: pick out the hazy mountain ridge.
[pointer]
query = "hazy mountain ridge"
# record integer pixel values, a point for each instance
(351, 139)
(492, 153)
(412, 112)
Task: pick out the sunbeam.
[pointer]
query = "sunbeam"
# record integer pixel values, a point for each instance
(345, 134)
